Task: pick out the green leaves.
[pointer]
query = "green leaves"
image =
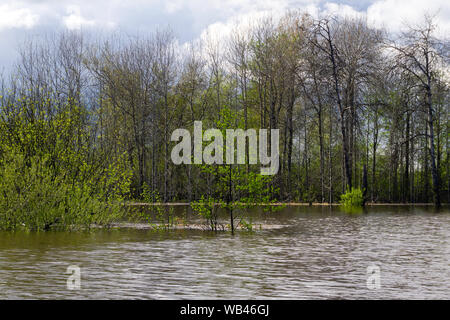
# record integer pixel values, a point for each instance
(49, 178)
(353, 198)
(233, 187)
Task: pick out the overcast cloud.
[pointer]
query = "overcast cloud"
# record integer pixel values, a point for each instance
(190, 19)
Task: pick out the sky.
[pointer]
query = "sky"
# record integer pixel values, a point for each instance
(189, 19)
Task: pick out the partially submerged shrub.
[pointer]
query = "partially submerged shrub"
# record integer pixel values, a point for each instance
(33, 198)
(353, 198)
(50, 177)
(207, 208)
(164, 217)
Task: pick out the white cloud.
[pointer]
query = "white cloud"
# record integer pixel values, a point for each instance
(14, 16)
(244, 13)
(395, 14)
(173, 6)
(74, 19)
(390, 14)
(343, 10)
(222, 30)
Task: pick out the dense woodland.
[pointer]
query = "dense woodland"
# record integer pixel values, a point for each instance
(355, 106)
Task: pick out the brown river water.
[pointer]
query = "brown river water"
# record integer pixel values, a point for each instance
(312, 253)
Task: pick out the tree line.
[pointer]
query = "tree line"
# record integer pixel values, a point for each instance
(356, 107)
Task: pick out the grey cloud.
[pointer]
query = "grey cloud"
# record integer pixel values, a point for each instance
(187, 19)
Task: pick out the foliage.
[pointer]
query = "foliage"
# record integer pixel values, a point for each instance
(353, 198)
(99, 114)
(207, 208)
(48, 177)
(238, 190)
(163, 214)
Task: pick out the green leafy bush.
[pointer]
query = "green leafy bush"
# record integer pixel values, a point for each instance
(353, 198)
(33, 198)
(49, 179)
(207, 208)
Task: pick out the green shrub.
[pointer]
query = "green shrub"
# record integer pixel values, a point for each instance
(34, 199)
(353, 198)
(50, 177)
(207, 208)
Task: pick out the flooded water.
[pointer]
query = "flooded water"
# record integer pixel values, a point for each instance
(316, 253)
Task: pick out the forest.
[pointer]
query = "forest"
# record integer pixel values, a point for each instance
(86, 120)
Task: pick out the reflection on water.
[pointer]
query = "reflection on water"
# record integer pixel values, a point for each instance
(317, 254)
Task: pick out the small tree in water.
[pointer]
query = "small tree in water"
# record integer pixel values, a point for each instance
(234, 188)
